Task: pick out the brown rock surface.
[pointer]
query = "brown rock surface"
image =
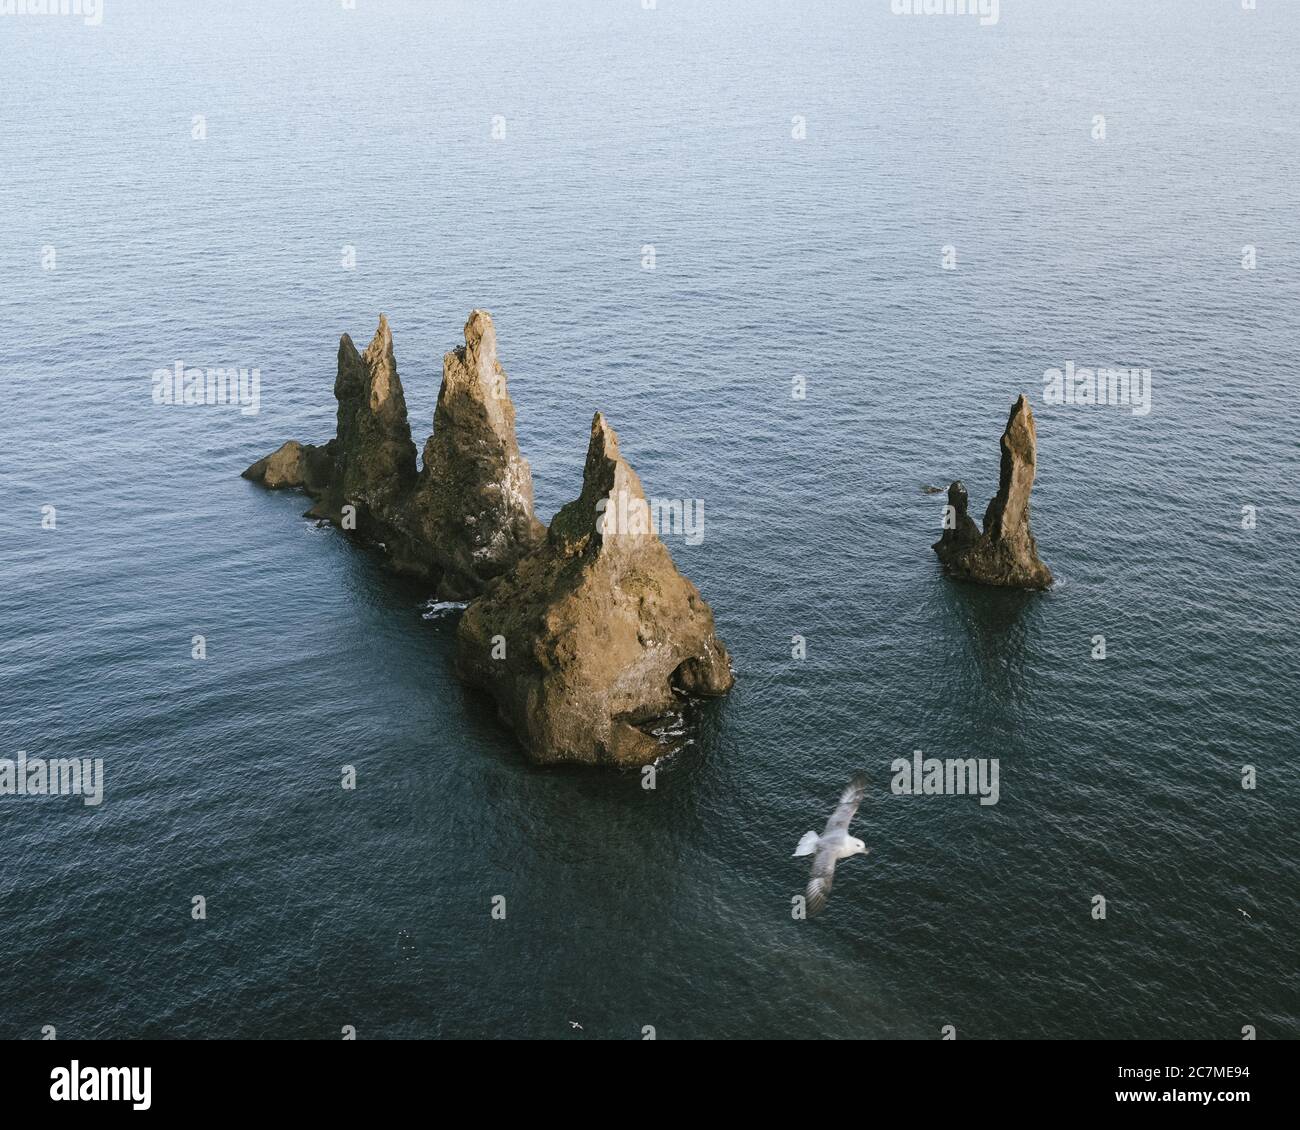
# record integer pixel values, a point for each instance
(595, 635)
(468, 514)
(472, 505)
(374, 458)
(1005, 553)
(295, 465)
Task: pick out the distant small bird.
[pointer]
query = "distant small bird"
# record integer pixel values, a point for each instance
(1240, 911)
(575, 1024)
(833, 844)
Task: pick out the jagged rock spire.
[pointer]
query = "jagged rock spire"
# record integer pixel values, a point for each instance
(374, 458)
(468, 515)
(1005, 553)
(472, 508)
(601, 632)
(611, 511)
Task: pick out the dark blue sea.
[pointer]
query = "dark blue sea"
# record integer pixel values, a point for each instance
(184, 181)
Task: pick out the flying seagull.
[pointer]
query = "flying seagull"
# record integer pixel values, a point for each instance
(833, 844)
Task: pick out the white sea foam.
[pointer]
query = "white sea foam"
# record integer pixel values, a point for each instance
(437, 609)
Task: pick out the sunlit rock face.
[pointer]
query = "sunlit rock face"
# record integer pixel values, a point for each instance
(586, 642)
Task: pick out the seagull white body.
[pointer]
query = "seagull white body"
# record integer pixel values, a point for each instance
(833, 844)
(840, 844)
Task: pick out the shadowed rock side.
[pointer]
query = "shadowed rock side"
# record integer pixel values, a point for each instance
(593, 636)
(374, 458)
(1005, 553)
(468, 515)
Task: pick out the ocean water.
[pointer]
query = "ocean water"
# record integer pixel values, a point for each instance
(773, 256)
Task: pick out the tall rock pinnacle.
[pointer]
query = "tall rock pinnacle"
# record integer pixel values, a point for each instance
(473, 503)
(596, 635)
(374, 458)
(1005, 553)
(468, 514)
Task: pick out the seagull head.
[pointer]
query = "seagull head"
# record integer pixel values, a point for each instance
(859, 848)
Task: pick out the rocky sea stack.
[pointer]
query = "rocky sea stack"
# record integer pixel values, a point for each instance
(1005, 553)
(587, 641)
(472, 505)
(467, 515)
(585, 634)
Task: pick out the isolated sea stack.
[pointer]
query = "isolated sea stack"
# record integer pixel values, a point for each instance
(467, 515)
(1005, 553)
(586, 642)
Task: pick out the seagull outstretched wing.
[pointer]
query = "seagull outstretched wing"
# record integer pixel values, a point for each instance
(850, 798)
(819, 886)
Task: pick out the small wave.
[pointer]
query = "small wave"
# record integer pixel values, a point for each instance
(670, 728)
(437, 609)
